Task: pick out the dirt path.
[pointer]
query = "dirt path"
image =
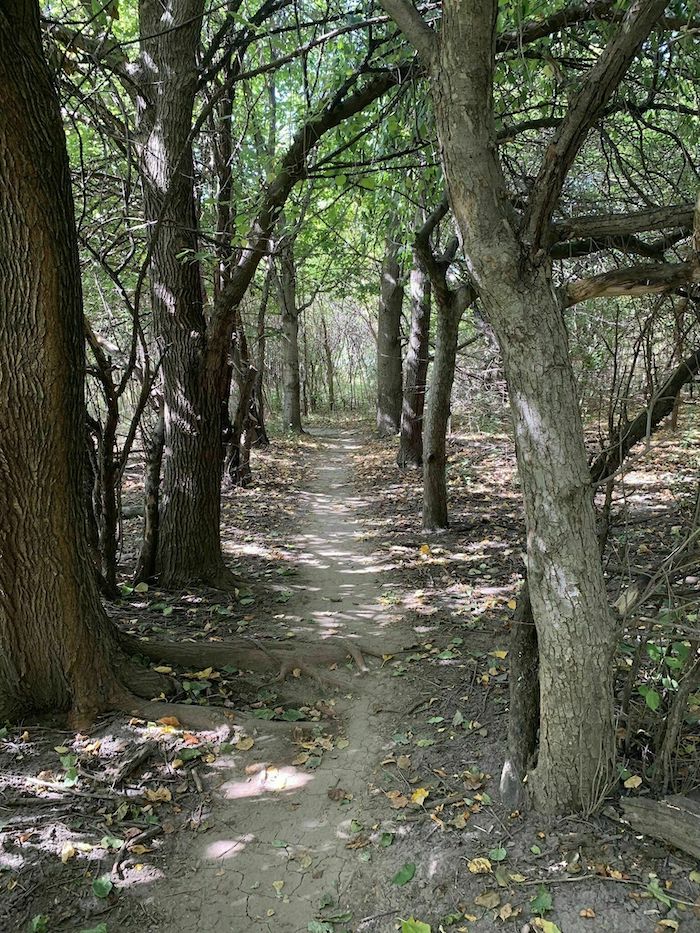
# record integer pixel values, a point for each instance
(275, 850)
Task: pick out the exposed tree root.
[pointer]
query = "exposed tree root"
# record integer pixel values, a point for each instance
(247, 654)
(211, 718)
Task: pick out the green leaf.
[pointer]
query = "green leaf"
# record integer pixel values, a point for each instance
(651, 697)
(498, 855)
(355, 826)
(100, 928)
(414, 926)
(102, 886)
(39, 924)
(541, 902)
(141, 588)
(264, 713)
(655, 889)
(535, 850)
(187, 754)
(293, 715)
(386, 839)
(319, 926)
(405, 874)
(111, 842)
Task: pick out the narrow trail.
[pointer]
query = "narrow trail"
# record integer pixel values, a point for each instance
(275, 847)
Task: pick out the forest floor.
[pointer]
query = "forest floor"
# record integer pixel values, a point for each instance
(344, 810)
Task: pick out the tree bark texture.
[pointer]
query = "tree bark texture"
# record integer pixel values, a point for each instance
(415, 369)
(389, 376)
(437, 415)
(188, 538)
(56, 643)
(287, 294)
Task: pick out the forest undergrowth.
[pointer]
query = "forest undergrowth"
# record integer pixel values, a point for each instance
(95, 827)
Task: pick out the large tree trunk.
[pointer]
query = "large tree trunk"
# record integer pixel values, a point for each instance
(437, 416)
(415, 369)
(575, 632)
(56, 643)
(188, 538)
(287, 293)
(389, 343)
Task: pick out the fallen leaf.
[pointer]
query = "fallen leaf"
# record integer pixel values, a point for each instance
(159, 795)
(633, 782)
(420, 795)
(489, 899)
(68, 852)
(405, 874)
(587, 913)
(245, 743)
(169, 721)
(479, 866)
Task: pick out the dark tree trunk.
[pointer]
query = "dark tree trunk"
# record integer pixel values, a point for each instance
(287, 293)
(146, 566)
(57, 646)
(438, 414)
(329, 366)
(415, 369)
(389, 343)
(188, 537)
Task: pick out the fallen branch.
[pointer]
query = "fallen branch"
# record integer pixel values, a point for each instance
(675, 821)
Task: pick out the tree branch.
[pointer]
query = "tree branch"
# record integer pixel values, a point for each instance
(414, 27)
(599, 86)
(648, 279)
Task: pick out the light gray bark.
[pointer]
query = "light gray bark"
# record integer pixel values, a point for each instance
(415, 368)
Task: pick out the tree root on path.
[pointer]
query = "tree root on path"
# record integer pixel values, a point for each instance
(212, 719)
(249, 654)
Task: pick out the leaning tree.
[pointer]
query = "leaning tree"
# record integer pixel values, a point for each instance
(507, 243)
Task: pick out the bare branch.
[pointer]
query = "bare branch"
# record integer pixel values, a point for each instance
(648, 279)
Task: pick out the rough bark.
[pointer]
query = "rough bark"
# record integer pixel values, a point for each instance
(328, 353)
(146, 566)
(57, 646)
(188, 539)
(676, 821)
(448, 314)
(389, 376)
(512, 275)
(285, 278)
(415, 369)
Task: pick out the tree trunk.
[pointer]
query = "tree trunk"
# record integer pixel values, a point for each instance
(188, 538)
(416, 370)
(329, 366)
(437, 416)
(56, 643)
(287, 293)
(146, 567)
(389, 343)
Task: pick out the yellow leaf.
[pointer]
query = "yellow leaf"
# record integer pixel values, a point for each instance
(177, 763)
(245, 744)
(587, 913)
(669, 924)
(68, 852)
(278, 885)
(547, 926)
(203, 675)
(301, 759)
(500, 654)
(479, 866)
(138, 849)
(517, 878)
(160, 794)
(633, 781)
(512, 604)
(83, 846)
(424, 549)
(419, 795)
(163, 669)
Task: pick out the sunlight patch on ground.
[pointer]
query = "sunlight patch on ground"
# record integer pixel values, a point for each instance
(268, 780)
(227, 848)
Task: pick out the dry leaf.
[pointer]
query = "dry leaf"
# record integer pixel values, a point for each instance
(419, 795)
(68, 852)
(479, 866)
(489, 899)
(169, 721)
(633, 781)
(245, 743)
(160, 794)
(587, 913)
